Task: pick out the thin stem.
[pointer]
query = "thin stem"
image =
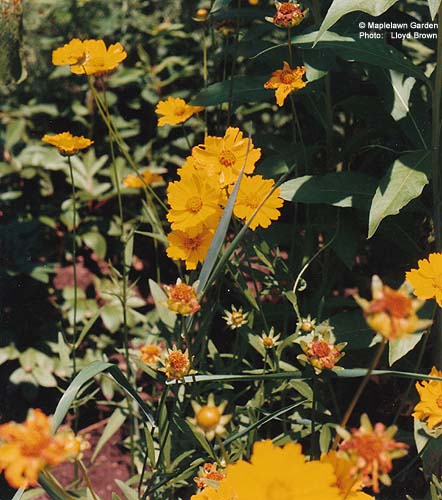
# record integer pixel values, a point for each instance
(360, 389)
(289, 46)
(87, 479)
(222, 448)
(313, 448)
(186, 138)
(232, 71)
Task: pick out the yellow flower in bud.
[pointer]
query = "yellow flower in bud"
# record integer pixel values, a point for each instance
(66, 143)
(392, 313)
(270, 341)
(209, 419)
(201, 15)
(286, 81)
(182, 298)
(429, 408)
(177, 364)
(307, 324)
(371, 451)
(236, 318)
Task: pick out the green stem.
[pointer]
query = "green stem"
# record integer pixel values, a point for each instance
(289, 46)
(87, 479)
(186, 138)
(232, 72)
(313, 447)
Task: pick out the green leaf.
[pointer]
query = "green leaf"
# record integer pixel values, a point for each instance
(398, 348)
(18, 494)
(219, 4)
(403, 182)
(434, 7)
(339, 8)
(115, 421)
(167, 316)
(96, 242)
(325, 437)
(341, 189)
(128, 492)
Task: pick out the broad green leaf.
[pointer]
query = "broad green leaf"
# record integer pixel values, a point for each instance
(96, 242)
(398, 348)
(341, 189)
(434, 7)
(325, 437)
(403, 182)
(402, 87)
(167, 316)
(339, 8)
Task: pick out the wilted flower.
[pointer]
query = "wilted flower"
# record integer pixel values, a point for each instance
(427, 278)
(270, 341)
(175, 111)
(391, 313)
(371, 450)
(182, 298)
(66, 143)
(288, 15)
(320, 349)
(207, 474)
(236, 318)
(209, 419)
(177, 364)
(150, 354)
(429, 408)
(286, 81)
(29, 447)
(147, 177)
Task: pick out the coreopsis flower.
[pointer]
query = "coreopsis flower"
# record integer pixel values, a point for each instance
(279, 473)
(306, 325)
(224, 157)
(194, 203)
(66, 143)
(235, 318)
(271, 340)
(429, 408)
(371, 450)
(191, 246)
(320, 349)
(209, 418)
(286, 81)
(288, 15)
(223, 491)
(176, 364)
(349, 487)
(427, 278)
(147, 178)
(182, 298)
(150, 354)
(252, 192)
(391, 313)
(29, 447)
(89, 57)
(174, 111)
(201, 15)
(208, 474)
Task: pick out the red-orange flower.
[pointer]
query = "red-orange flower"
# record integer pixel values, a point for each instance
(208, 472)
(182, 298)
(288, 15)
(177, 364)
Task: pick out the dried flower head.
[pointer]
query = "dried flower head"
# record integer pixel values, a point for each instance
(208, 474)
(177, 364)
(235, 318)
(271, 340)
(288, 15)
(150, 354)
(209, 419)
(286, 81)
(29, 447)
(371, 451)
(429, 408)
(391, 313)
(427, 278)
(182, 298)
(66, 143)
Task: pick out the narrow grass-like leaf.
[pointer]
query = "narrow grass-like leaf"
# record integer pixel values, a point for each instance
(86, 328)
(129, 493)
(116, 420)
(18, 494)
(434, 7)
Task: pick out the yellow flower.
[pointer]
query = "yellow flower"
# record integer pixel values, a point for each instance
(280, 473)
(371, 449)
(177, 364)
(147, 177)
(286, 81)
(209, 419)
(252, 191)
(194, 202)
(28, 448)
(288, 15)
(208, 474)
(270, 341)
(236, 318)
(307, 324)
(429, 408)
(90, 57)
(224, 157)
(174, 111)
(150, 354)
(427, 278)
(253, 2)
(66, 143)
(391, 313)
(182, 298)
(191, 246)
(222, 492)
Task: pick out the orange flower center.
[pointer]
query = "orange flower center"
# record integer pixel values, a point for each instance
(394, 303)
(237, 317)
(268, 342)
(192, 243)
(370, 447)
(178, 361)
(226, 158)
(208, 417)
(180, 110)
(307, 326)
(194, 204)
(321, 348)
(251, 202)
(182, 292)
(287, 77)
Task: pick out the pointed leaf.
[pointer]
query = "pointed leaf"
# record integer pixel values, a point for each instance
(167, 316)
(398, 348)
(403, 182)
(434, 7)
(115, 421)
(128, 492)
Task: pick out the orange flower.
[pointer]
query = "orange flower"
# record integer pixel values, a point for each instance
(429, 408)
(286, 81)
(150, 354)
(191, 246)
(175, 111)
(391, 313)
(66, 143)
(177, 364)
(182, 298)
(252, 191)
(371, 449)
(28, 448)
(90, 57)
(288, 15)
(209, 419)
(147, 177)
(427, 278)
(208, 472)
